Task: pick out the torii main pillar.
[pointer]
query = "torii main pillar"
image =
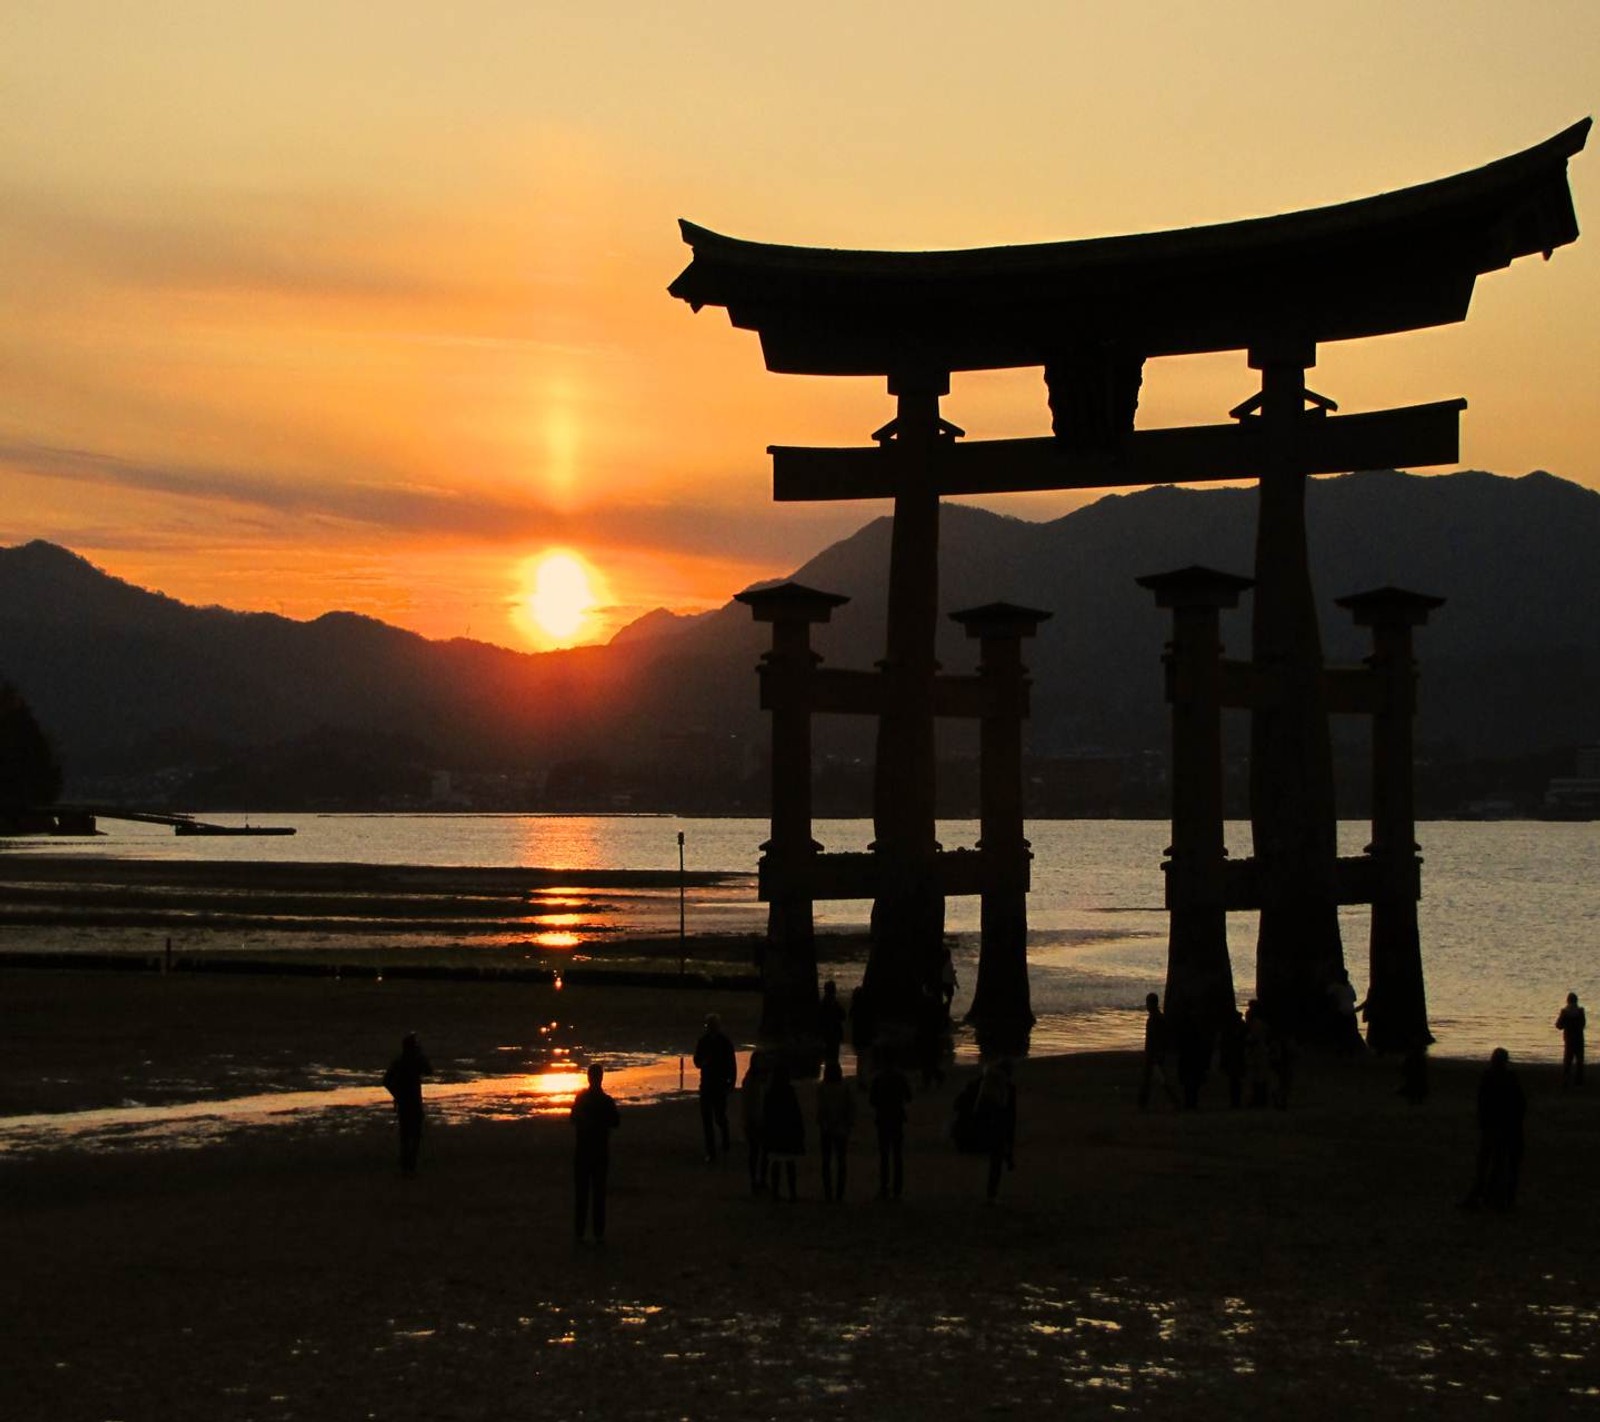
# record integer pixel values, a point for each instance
(908, 910)
(1298, 951)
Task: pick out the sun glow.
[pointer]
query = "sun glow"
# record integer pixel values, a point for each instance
(561, 594)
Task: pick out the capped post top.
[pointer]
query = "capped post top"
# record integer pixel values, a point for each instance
(790, 602)
(1001, 619)
(1389, 605)
(1196, 586)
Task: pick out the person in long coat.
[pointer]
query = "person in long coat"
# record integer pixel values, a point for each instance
(1501, 1108)
(995, 1114)
(719, 1074)
(836, 1115)
(784, 1128)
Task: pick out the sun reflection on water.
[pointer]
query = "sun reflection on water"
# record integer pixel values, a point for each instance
(552, 1088)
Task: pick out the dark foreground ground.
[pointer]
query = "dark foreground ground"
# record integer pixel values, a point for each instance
(1307, 1263)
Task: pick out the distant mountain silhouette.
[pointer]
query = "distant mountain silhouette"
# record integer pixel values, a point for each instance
(132, 684)
(657, 623)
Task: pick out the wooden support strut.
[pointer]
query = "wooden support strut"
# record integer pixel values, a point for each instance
(1397, 1009)
(789, 963)
(1199, 988)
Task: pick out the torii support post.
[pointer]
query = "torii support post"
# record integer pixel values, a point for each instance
(1298, 953)
(789, 964)
(1397, 1006)
(1002, 1010)
(1199, 971)
(908, 912)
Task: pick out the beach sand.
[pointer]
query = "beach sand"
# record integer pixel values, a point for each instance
(1206, 1264)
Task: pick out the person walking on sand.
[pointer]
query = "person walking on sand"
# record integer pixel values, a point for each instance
(594, 1117)
(785, 1128)
(888, 1096)
(836, 1115)
(403, 1081)
(995, 1114)
(1501, 1109)
(1570, 1023)
(719, 1074)
(1157, 1047)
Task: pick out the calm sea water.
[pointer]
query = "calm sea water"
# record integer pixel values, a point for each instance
(1510, 914)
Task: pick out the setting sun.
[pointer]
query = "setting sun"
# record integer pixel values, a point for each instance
(561, 593)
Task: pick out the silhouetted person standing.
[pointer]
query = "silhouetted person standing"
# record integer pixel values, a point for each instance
(753, 1101)
(403, 1081)
(1280, 1060)
(1414, 1075)
(1501, 1108)
(785, 1128)
(1570, 1023)
(889, 1095)
(719, 1074)
(1157, 1047)
(995, 1114)
(929, 1037)
(594, 1117)
(830, 1021)
(836, 1115)
(863, 1019)
(1233, 1055)
(1343, 1009)
(1194, 1057)
(1257, 1052)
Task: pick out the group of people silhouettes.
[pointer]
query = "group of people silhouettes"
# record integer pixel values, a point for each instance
(774, 1120)
(1248, 1049)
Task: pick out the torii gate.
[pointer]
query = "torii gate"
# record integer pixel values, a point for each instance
(1090, 313)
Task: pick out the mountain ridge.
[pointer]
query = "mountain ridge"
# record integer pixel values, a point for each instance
(1510, 666)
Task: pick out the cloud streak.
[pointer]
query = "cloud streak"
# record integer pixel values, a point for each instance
(412, 510)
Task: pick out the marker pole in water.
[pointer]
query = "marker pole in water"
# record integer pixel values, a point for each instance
(683, 946)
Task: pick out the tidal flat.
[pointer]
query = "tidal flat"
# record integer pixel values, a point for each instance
(1161, 1263)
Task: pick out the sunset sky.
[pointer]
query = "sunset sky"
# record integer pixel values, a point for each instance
(363, 306)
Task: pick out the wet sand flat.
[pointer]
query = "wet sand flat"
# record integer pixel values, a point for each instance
(1200, 1264)
(322, 913)
(74, 1041)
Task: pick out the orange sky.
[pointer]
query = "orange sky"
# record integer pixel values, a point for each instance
(337, 305)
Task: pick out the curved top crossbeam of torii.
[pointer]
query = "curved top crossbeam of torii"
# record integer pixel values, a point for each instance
(1395, 262)
(1091, 312)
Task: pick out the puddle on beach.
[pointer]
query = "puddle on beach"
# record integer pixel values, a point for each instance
(198, 1123)
(1115, 1344)
(350, 1098)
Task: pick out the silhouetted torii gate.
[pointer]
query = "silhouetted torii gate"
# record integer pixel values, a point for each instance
(1091, 313)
